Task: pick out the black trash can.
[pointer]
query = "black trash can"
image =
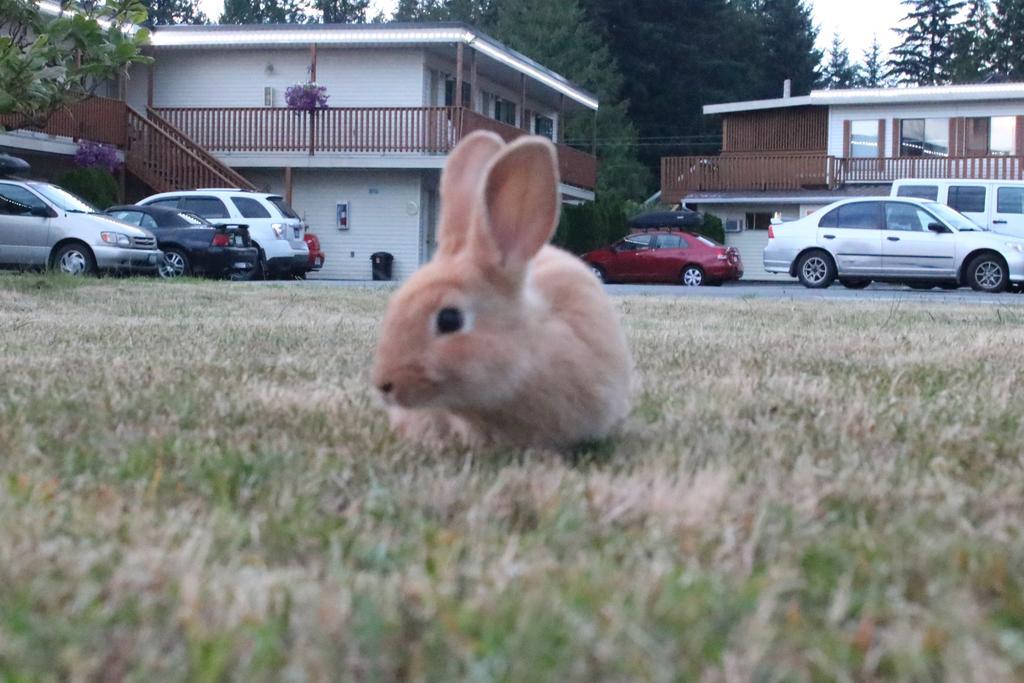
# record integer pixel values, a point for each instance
(381, 262)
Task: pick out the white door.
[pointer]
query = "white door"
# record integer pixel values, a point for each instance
(853, 234)
(910, 249)
(1008, 214)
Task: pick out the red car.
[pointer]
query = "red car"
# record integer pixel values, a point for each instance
(316, 256)
(666, 256)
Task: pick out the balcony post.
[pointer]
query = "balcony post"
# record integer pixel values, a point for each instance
(472, 80)
(457, 100)
(288, 184)
(312, 62)
(524, 124)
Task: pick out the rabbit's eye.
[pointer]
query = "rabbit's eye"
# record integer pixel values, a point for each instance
(449, 320)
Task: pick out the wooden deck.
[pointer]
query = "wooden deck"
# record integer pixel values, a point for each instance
(681, 176)
(348, 130)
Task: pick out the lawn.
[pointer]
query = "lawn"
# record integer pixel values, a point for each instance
(196, 484)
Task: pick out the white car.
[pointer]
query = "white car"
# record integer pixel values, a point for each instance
(45, 226)
(274, 226)
(893, 239)
(994, 204)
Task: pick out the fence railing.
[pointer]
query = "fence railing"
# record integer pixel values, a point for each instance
(370, 130)
(737, 173)
(165, 162)
(575, 167)
(430, 130)
(99, 119)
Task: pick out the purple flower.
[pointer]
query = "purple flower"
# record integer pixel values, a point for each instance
(91, 154)
(306, 96)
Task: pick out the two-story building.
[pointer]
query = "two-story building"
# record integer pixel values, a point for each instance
(210, 112)
(787, 157)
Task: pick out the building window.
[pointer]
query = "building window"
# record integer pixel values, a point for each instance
(449, 92)
(504, 111)
(996, 135)
(864, 139)
(544, 125)
(758, 221)
(924, 138)
(1003, 136)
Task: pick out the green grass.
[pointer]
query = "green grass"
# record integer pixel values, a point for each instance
(196, 484)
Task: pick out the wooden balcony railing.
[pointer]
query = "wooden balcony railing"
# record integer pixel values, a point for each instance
(575, 167)
(387, 130)
(681, 176)
(99, 119)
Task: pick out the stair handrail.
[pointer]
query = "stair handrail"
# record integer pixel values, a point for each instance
(183, 140)
(215, 169)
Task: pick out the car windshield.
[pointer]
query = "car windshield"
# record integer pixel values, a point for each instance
(63, 199)
(959, 221)
(282, 206)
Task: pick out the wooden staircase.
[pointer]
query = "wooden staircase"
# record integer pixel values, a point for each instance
(166, 159)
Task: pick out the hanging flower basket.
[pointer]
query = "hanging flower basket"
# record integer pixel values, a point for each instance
(306, 97)
(96, 155)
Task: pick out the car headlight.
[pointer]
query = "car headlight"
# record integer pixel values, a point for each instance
(278, 230)
(116, 238)
(1016, 246)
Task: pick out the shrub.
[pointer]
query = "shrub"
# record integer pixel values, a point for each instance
(712, 227)
(94, 185)
(96, 155)
(591, 225)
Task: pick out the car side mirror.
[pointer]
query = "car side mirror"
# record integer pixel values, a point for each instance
(41, 212)
(938, 227)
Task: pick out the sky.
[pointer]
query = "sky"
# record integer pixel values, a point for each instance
(856, 21)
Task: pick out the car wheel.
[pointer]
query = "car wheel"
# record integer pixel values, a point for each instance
(175, 264)
(854, 284)
(692, 276)
(816, 270)
(987, 273)
(598, 272)
(74, 259)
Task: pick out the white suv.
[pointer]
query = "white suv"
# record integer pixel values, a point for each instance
(274, 227)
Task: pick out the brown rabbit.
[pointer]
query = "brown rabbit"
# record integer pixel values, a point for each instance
(502, 338)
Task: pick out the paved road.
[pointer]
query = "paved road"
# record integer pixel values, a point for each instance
(771, 291)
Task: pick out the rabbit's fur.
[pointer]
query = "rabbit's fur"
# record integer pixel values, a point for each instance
(540, 358)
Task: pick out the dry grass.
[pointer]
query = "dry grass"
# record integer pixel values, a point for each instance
(196, 485)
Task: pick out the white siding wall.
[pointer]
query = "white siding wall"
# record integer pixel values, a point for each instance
(385, 215)
(838, 114)
(236, 78)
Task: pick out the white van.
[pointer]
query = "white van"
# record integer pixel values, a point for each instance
(994, 204)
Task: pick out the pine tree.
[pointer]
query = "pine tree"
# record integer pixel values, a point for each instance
(477, 12)
(973, 45)
(786, 48)
(837, 71)
(166, 12)
(1008, 47)
(923, 58)
(871, 73)
(263, 12)
(559, 36)
(342, 11)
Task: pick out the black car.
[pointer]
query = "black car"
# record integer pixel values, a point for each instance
(192, 245)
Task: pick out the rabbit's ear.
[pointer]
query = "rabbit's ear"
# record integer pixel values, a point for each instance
(460, 187)
(521, 200)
